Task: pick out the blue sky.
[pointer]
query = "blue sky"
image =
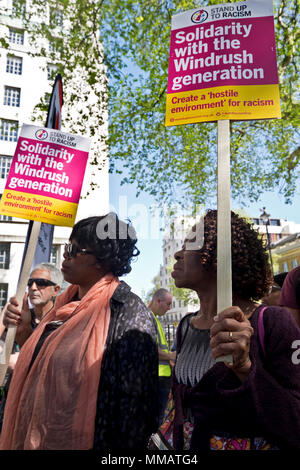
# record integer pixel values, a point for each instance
(124, 201)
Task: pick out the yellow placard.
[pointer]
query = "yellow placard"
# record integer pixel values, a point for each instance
(32, 207)
(227, 102)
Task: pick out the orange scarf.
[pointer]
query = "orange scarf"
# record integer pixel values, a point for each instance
(53, 406)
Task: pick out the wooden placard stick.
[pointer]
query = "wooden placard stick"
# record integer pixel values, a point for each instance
(224, 278)
(2, 327)
(22, 284)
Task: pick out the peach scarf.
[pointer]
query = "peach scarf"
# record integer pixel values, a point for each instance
(53, 406)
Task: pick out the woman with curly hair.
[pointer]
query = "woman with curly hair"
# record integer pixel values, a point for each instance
(86, 377)
(253, 402)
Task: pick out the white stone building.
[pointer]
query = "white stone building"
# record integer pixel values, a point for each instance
(277, 228)
(23, 81)
(172, 242)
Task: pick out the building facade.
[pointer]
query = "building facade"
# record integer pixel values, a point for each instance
(283, 240)
(287, 253)
(276, 228)
(24, 79)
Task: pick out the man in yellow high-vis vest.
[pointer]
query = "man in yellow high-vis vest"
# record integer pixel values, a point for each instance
(161, 302)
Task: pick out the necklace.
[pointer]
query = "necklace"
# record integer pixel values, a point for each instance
(48, 310)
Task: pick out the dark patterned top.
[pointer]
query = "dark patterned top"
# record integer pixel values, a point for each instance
(195, 357)
(127, 411)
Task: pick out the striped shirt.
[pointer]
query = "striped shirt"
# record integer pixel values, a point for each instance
(195, 356)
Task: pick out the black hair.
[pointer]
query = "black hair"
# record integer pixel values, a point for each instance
(112, 241)
(279, 278)
(251, 272)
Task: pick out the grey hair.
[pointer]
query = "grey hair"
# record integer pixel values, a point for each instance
(160, 294)
(55, 273)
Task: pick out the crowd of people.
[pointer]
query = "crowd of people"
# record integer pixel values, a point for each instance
(92, 368)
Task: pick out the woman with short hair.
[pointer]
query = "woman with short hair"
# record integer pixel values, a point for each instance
(86, 378)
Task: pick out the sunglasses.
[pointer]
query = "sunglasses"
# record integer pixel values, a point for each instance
(40, 282)
(71, 251)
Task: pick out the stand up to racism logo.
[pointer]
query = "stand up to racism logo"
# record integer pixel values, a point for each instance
(199, 16)
(41, 134)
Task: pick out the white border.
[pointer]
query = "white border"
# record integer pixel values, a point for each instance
(258, 8)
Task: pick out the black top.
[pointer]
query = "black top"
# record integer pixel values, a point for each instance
(195, 356)
(127, 411)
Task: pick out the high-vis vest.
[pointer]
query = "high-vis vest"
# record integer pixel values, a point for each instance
(164, 368)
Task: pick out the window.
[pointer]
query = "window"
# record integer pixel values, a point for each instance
(56, 17)
(55, 45)
(3, 294)
(16, 36)
(14, 65)
(275, 222)
(4, 218)
(51, 71)
(4, 255)
(47, 98)
(12, 96)
(295, 263)
(285, 267)
(273, 237)
(18, 7)
(5, 163)
(53, 254)
(52, 45)
(9, 130)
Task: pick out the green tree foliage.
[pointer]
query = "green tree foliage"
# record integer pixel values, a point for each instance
(147, 295)
(65, 35)
(175, 164)
(179, 163)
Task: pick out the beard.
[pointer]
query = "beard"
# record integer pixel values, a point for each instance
(35, 301)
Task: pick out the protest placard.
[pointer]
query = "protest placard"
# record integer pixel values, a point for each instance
(43, 185)
(223, 67)
(46, 175)
(223, 64)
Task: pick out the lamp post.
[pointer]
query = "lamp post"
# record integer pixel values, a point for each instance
(266, 221)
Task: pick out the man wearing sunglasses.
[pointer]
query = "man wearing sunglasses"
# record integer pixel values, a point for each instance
(43, 286)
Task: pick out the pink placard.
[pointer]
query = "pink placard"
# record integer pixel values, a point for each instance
(42, 163)
(225, 52)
